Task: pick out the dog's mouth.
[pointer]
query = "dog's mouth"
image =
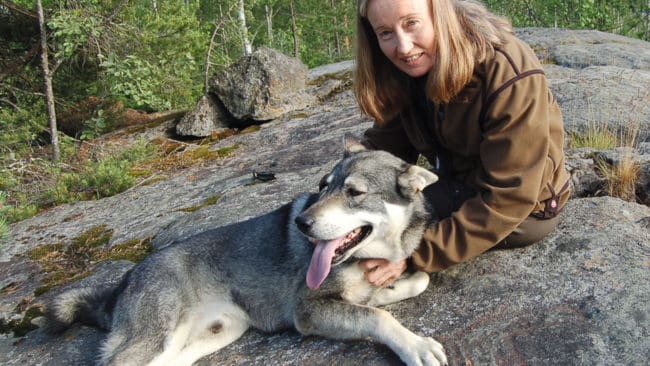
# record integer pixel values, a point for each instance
(350, 241)
(333, 252)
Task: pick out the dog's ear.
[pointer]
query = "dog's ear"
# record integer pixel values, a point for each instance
(352, 145)
(414, 179)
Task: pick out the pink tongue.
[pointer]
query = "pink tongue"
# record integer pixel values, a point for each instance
(321, 262)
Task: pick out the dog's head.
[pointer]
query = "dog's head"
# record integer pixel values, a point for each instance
(366, 204)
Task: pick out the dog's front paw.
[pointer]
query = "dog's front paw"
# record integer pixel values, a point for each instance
(424, 351)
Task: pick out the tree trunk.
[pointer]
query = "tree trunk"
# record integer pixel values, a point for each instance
(346, 26)
(294, 29)
(269, 24)
(49, 94)
(206, 73)
(248, 49)
(337, 38)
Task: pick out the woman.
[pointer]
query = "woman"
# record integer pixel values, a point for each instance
(447, 80)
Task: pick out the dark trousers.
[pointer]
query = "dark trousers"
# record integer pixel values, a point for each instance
(447, 195)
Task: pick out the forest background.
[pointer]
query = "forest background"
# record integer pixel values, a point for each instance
(156, 55)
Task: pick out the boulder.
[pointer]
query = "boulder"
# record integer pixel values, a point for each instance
(599, 79)
(206, 117)
(262, 86)
(599, 97)
(577, 49)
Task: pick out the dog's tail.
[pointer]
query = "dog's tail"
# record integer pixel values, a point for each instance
(89, 306)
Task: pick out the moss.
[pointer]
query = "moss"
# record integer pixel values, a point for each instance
(201, 152)
(42, 251)
(225, 151)
(22, 326)
(343, 76)
(63, 263)
(210, 201)
(153, 180)
(134, 250)
(94, 237)
(299, 115)
(251, 129)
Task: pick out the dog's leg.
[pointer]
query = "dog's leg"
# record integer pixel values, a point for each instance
(404, 288)
(211, 332)
(121, 349)
(340, 320)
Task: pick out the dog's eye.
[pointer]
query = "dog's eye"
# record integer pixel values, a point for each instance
(324, 182)
(322, 187)
(353, 192)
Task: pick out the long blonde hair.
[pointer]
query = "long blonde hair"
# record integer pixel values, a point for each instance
(465, 32)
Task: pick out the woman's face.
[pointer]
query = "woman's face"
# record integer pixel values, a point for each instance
(404, 30)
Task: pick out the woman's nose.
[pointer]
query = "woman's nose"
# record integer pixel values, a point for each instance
(404, 43)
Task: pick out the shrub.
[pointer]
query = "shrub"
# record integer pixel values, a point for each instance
(104, 178)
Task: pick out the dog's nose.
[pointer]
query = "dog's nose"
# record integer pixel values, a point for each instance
(304, 223)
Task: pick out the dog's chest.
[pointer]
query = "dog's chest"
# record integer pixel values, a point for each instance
(355, 288)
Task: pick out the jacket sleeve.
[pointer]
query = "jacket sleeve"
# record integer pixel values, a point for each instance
(513, 155)
(391, 137)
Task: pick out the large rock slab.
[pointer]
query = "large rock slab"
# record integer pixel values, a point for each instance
(262, 86)
(579, 297)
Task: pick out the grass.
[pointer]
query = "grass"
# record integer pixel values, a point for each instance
(620, 177)
(598, 136)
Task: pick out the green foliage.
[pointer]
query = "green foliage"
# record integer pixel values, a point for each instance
(629, 18)
(154, 62)
(98, 179)
(134, 80)
(94, 127)
(3, 219)
(21, 128)
(104, 178)
(71, 30)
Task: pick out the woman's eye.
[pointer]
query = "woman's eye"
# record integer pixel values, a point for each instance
(412, 23)
(385, 35)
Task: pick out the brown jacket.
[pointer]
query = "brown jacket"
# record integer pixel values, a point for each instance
(503, 135)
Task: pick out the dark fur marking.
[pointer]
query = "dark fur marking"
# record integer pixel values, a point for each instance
(216, 327)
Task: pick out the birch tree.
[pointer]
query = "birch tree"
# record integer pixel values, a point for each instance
(248, 49)
(47, 78)
(294, 30)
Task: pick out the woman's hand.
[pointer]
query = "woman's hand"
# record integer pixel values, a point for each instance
(381, 272)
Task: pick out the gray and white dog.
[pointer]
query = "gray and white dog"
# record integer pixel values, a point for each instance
(295, 267)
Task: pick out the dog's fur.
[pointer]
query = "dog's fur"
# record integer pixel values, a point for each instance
(197, 296)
